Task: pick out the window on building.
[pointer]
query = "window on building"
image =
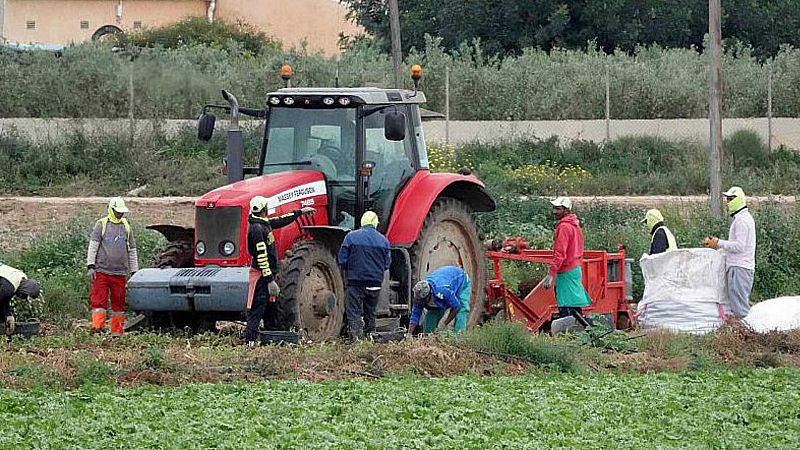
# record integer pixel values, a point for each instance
(137, 24)
(30, 24)
(84, 24)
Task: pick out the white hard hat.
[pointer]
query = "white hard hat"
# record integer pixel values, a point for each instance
(258, 203)
(562, 201)
(118, 204)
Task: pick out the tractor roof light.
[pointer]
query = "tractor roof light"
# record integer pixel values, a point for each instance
(286, 75)
(327, 101)
(288, 101)
(344, 101)
(274, 101)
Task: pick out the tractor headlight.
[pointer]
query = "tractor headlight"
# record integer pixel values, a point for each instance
(227, 248)
(274, 100)
(288, 101)
(200, 248)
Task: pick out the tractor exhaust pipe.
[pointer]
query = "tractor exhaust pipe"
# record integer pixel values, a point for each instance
(235, 143)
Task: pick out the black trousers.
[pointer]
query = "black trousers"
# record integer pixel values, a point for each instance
(361, 303)
(262, 308)
(7, 292)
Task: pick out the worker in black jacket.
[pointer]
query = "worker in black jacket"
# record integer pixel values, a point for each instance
(661, 239)
(14, 282)
(262, 302)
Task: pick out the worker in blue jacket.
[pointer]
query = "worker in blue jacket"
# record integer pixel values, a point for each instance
(445, 289)
(365, 255)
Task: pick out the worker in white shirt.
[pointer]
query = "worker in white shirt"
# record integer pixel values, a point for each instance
(739, 250)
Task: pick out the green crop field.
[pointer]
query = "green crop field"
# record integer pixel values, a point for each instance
(742, 409)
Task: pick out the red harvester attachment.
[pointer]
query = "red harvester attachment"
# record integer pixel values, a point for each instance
(603, 278)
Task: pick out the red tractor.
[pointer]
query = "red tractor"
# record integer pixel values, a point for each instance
(342, 151)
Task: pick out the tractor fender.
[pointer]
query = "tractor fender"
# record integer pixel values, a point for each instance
(174, 233)
(415, 201)
(330, 236)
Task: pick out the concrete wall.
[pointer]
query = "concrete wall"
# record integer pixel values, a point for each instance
(318, 22)
(785, 131)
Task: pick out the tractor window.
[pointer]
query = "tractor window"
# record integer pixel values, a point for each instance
(393, 162)
(315, 139)
(419, 135)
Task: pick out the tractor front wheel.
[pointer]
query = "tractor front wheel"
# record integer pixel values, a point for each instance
(311, 276)
(449, 237)
(177, 254)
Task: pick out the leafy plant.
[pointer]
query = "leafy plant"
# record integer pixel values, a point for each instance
(28, 309)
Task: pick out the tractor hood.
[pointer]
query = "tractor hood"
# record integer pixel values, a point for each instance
(279, 189)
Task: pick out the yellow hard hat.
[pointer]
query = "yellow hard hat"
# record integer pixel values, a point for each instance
(369, 219)
(118, 204)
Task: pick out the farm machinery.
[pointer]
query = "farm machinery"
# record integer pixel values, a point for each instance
(342, 151)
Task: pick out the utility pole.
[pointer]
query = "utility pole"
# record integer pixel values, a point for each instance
(397, 53)
(714, 114)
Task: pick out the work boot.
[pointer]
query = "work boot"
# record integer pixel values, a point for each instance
(117, 323)
(98, 319)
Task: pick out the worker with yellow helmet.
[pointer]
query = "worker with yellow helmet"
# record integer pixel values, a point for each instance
(739, 250)
(661, 238)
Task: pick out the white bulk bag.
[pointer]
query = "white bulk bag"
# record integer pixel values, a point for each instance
(684, 290)
(777, 314)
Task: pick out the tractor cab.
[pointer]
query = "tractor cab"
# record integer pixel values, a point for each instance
(365, 141)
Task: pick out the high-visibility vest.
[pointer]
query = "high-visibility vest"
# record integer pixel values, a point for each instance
(671, 243)
(14, 276)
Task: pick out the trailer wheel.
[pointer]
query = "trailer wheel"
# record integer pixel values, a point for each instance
(312, 277)
(177, 254)
(449, 237)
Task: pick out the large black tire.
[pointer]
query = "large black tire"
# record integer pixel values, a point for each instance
(449, 237)
(177, 254)
(312, 278)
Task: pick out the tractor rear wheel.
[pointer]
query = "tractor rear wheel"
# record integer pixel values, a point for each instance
(177, 254)
(311, 276)
(449, 237)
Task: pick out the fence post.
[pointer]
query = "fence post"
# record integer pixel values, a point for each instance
(447, 106)
(769, 107)
(608, 103)
(131, 106)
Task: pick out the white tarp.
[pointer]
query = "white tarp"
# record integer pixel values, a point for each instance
(777, 314)
(684, 290)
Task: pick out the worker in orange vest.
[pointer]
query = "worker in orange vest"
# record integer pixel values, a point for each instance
(111, 257)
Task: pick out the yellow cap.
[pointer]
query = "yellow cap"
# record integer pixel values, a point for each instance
(652, 217)
(369, 219)
(118, 204)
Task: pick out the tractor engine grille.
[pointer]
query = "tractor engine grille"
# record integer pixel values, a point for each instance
(215, 227)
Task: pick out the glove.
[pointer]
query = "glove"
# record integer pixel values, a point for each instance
(307, 210)
(90, 273)
(273, 289)
(711, 242)
(10, 325)
(547, 283)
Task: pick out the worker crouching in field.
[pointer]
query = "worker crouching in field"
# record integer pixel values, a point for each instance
(111, 257)
(263, 297)
(365, 255)
(445, 289)
(661, 239)
(739, 251)
(14, 282)
(565, 269)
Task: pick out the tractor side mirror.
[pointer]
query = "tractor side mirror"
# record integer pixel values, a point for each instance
(205, 126)
(394, 126)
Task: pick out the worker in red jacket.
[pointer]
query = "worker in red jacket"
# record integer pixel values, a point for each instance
(565, 269)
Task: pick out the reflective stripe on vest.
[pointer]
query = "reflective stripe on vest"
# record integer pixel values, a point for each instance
(14, 276)
(671, 243)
